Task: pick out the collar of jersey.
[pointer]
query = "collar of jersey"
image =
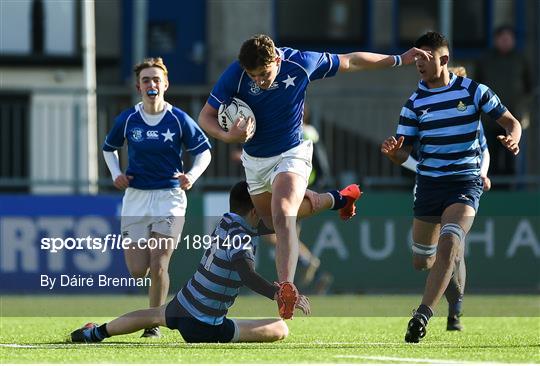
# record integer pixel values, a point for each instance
(241, 221)
(423, 86)
(139, 108)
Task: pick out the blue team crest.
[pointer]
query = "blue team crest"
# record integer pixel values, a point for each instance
(137, 134)
(254, 88)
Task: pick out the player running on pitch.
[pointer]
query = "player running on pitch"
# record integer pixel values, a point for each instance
(154, 204)
(443, 116)
(456, 288)
(277, 162)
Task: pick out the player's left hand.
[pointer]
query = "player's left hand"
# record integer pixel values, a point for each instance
(487, 183)
(413, 54)
(509, 143)
(303, 304)
(186, 181)
(241, 130)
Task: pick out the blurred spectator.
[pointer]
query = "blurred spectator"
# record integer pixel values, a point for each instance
(320, 176)
(507, 72)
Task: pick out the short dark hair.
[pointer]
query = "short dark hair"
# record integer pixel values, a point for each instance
(256, 52)
(432, 40)
(504, 28)
(239, 199)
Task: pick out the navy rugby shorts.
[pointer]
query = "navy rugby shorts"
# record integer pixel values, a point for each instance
(432, 196)
(196, 331)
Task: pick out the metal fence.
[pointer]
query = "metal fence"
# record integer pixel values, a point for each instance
(41, 138)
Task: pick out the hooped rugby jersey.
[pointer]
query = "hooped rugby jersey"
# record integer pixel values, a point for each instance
(213, 288)
(445, 123)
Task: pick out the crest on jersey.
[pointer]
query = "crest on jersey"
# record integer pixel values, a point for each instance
(461, 106)
(137, 134)
(254, 88)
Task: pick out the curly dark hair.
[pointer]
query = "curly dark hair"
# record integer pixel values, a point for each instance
(256, 52)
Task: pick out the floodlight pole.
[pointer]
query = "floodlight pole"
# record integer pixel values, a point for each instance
(138, 40)
(445, 19)
(536, 90)
(89, 67)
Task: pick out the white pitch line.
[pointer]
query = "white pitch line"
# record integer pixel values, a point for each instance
(360, 344)
(406, 359)
(229, 345)
(72, 345)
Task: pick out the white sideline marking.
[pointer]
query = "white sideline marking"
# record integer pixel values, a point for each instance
(407, 359)
(71, 345)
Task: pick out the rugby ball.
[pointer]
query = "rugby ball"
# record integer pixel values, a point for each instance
(228, 114)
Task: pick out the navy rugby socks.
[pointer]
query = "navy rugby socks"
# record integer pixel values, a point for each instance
(454, 309)
(456, 288)
(425, 312)
(339, 200)
(454, 295)
(97, 334)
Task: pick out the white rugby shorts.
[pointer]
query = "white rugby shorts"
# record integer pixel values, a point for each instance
(261, 172)
(157, 210)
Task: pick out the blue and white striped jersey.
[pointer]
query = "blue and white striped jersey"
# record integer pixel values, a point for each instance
(445, 122)
(481, 138)
(279, 110)
(211, 291)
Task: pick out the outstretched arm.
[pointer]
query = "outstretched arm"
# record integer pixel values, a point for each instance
(246, 270)
(357, 61)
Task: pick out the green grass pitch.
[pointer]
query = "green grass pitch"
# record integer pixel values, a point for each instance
(343, 329)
